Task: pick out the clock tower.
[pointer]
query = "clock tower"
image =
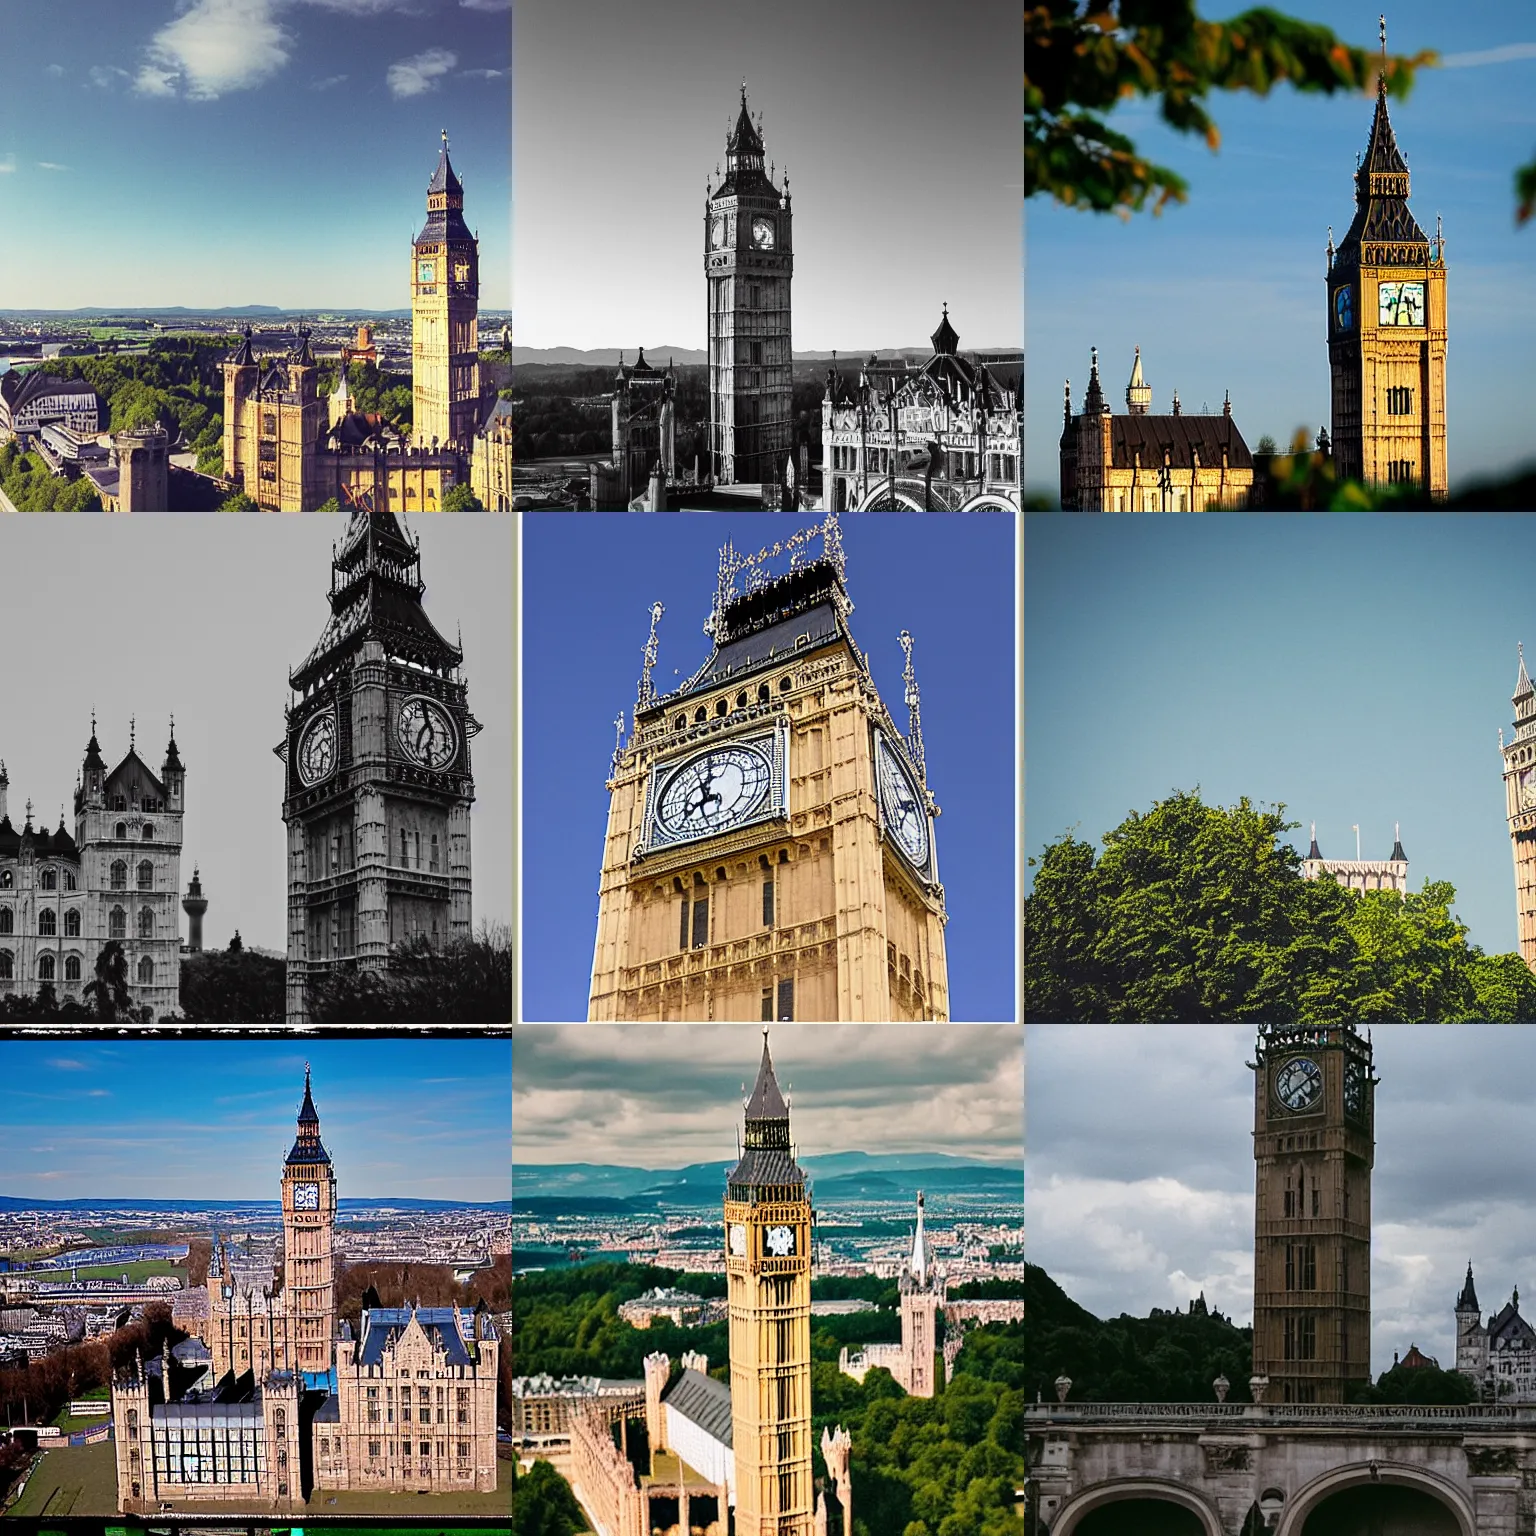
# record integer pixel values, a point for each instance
(1314, 1147)
(1520, 808)
(377, 772)
(770, 850)
(445, 305)
(1387, 327)
(768, 1280)
(309, 1223)
(748, 263)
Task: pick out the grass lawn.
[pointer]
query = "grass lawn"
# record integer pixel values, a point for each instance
(141, 1270)
(428, 1505)
(78, 1480)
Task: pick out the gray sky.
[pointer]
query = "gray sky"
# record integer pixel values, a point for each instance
(899, 127)
(203, 617)
(1140, 1174)
(665, 1095)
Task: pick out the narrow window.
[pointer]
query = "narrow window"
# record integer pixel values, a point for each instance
(45, 968)
(47, 922)
(434, 853)
(405, 852)
(149, 833)
(768, 903)
(117, 924)
(146, 923)
(1316, 1199)
(416, 838)
(701, 922)
(72, 968)
(120, 875)
(682, 927)
(146, 972)
(7, 965)
(767, 1005)
(7, 920)
(786, 1001)
(146, 876)
(70, 882)
(50, 880)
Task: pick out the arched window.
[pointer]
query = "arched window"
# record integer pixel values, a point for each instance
(71, 883)
(120, 831)
(47, 922)
(146, 971)
(7, 965)
(50, 880)
(6, 879)
(417, 838)
(72, 968)
(7, 920)
(146, 876)
(72, 923)
(700, 715)
(149, 833)
(681, 723)
(117, 924)
(119, 874)
(146, 923)
(45, 967)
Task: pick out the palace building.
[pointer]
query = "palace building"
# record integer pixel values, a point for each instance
(1387, 327)
(117, 876)
(1499, 1356)
(33, 399)
(1389, 874)
(644, 435)
(282, 1402)
(291, 450)
(770, 846)
(945, 436)
(377, 766)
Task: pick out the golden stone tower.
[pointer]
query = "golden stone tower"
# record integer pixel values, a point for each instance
(309, 1224)
(1520, 808)
(1387, 328)
(770, 847)
(445, 301)
(768, 1280)
(1314, 1102)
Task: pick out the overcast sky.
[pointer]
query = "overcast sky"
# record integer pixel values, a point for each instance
(666, 1095)
(204, 618)
(1140, 1175)
(899, 127)
(213, 1120)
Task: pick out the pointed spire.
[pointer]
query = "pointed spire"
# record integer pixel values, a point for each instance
(1467, 1301)
(1066, 402)
(1138, 393)
(919, 1264)
(1398, 856)
(647, 691)
(766, 1103)
(1313, 852)
(1094, 403)
(914, 710)
(1523, 681)
(945, 337)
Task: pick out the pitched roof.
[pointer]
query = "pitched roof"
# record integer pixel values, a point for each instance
(703, 1401)
(1181, 437)
(766, 1103)
(1382, 215)
(1523, 681)
(383, 1326)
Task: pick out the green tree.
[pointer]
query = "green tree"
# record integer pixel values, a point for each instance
(239, 502)
(1080, 61)
(1418, 1384)
(461, 498)
(109, 989)
(233, 986)
(467, 981)
(543, 1504)
(330, 506)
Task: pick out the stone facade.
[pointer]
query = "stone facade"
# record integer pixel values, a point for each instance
(814, 894)
(1520, 808)
(1499, 1355)
(644, 435)
(1361, 875)
(33, 399)
(490, 469)
(64, 896)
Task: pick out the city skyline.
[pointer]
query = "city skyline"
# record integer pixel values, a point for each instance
(1300, 660)
(203, 117)
(422, 1119)
(250, 604)
(1227, 291)
(616, 1093)
(1137, 1202)
(620, 116)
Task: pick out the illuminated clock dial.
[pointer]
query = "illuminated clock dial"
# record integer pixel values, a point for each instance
(1299, 1083)
(426, 271)
(738, 1239)
(425, 732)
(781, 1241)
(1402, 304)
(1528, 789)
(306, 1197)
(901, 803)
(1344, 308)
(317, 749)
(762, 234)
(717, 234)
(714, 790)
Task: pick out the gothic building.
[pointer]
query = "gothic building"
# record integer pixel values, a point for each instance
(1314, 1146)
(377, 768)
(644, 434)
(1140, 462)
(1388, 874)
(1387, 328)
(770, 845)
(748, 263)
(64, 896)
(942, 436)
(1499, 1355)
(1519, 755)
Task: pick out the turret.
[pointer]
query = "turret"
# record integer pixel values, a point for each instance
(173, 771)
(194, 904)
(1138, 393)
(94, 771)
(658, 1367)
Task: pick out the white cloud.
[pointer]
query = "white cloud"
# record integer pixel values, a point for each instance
(416, 76)
(486, 5)
(1505, 55)
(361, 7)
(106, 75)
(7, 165)
(483, 74)
(328, 83)
(48, 165)
(215, 47)
(55, 70)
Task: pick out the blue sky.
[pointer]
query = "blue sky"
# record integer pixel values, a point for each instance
(1355, 666)
(213, 1119)
(1227, 291)
(227, 152)
(588, 583)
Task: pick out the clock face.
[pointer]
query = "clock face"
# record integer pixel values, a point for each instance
(426, 733)
(1299, 1083)
(425, 271)
(738, 1239)
(1354, 1090)
(306, 1197)
(317, 749)
(713, 791)
(762, 234)
(1528, 789)
(1344, 307)
(717, 234)
(1402, 303)
(781, 1241)
(906, 818)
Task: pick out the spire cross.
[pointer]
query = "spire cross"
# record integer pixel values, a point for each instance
(133, 727)
(445, 141)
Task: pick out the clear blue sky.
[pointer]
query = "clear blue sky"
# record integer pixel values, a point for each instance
(1356, 666)
(227, 152)
(1227, 291)
(213, 1119)
(588, 583)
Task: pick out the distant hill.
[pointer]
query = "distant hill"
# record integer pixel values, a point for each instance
(15, 1203)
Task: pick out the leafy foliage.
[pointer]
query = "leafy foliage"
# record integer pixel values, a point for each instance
(373, 391)
(1418, 1384)
(461, 498)
(1080, 61)
(1200, 913)
(467, 982)
(239, 502)
(543, 1504)
(233, 986)
(33, 487)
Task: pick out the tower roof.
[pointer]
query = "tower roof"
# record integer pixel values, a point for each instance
(1094, 403)
(307, 1147)
(172, 756)
(919, 1261)
(93, 757)
(945, 338)
(766, 1103)
(1383, 220)
(1314, 852)
(1398, 856)
(446, 222)
(1138, 393)
(767, 1157)
(242, 354)
(1523, 681)
(443, 178)
(1467, 1301)
(744, 139)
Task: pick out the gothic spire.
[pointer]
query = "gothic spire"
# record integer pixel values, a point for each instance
(1467, 1301)
(1314, 852)
(1138, 393)
(1398, 856)
(1523, 681)
(766, 1103)
(1094, 403)
(945, 338)
(307, 1115)
(914, 710)
(919, 1263)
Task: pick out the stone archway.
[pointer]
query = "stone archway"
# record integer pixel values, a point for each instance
(1070, 1516)
(879, 499)
(1376, 1474)
(989, 503)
